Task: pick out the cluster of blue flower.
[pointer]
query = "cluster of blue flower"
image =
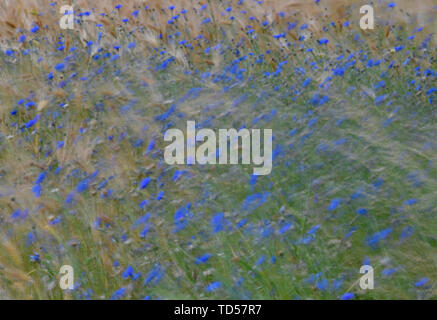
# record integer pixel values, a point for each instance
(353, 172)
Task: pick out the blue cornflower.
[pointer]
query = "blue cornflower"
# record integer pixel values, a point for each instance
(285, 228)
(30, 104)
(160, 195)
(60, 67)
(389, 271)
(431, 91)
(322, 285)
(323, 41)
(381, 235)
(145, 230)
(32, 122)
(82, 186)
(380, 99)
(334, 203)
(203, 258)
(150, 146)
(55, 221)
(155, 275)
(69, 199)
(37, 190)
(361, 211)
(339, 71)
(9, 52)
(347, 296)
(41, 177)
(306, 82)
(143, 204)
(261, 260)
(421, 282)
(34, 29)
(120, 293)
(145, 182)
(241, 223)
(314, 229)
(213, 286)
(218, 222)
(279, 35)
(410, 201)
(128, 272)
(399, 48)
(34, 257)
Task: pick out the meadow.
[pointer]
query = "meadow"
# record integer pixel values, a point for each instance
(83, 181)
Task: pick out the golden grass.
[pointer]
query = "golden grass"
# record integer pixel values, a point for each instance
(24, 13)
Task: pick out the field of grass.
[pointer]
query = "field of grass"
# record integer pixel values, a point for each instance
(83, 181)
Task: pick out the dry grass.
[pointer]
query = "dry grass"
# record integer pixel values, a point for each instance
(24, 13)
